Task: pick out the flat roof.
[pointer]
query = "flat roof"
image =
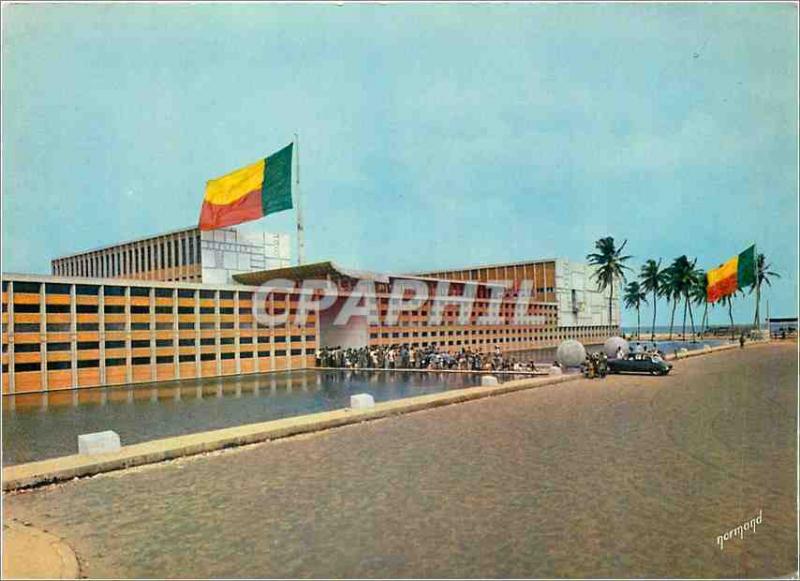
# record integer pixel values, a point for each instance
(125, 242)
(498, 265)
(56, 278)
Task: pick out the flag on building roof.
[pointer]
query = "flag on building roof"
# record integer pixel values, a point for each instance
(249, 193)
(737, 273)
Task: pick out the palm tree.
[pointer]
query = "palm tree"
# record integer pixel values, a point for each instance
(609, 266)
(634, 297)
(652, 279)
(685, 278)
(671, 291)
(728, 300)
(763, 275)
(699, 296)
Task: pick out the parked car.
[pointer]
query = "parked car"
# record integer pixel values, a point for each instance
(640, 363)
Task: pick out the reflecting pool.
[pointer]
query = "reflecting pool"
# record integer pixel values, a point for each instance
(39, 426)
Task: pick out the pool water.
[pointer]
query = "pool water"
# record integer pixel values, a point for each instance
(40, 426)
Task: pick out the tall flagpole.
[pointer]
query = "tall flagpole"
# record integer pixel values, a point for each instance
(298, 208)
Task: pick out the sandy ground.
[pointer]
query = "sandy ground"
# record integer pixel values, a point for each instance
(29, 553)
(632, 476)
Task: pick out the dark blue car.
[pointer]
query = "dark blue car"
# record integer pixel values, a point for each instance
(640, 363)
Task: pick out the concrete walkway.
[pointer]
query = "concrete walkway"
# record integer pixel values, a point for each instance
(29, 553)
(633, 476)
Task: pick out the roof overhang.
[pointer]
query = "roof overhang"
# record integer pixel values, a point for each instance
(316, 270)
(329, 269)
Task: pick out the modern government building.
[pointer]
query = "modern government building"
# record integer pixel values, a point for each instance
(179, 306)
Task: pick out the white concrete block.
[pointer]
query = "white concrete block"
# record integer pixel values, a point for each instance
(361, 401)
(555, 370)
(489, 381)
(98, 443)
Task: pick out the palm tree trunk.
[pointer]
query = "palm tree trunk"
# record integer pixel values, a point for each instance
(758, 305)
(638, 331)
(672, 318)
(653, 327)
(685, 304)
(705, 318)
(610, 302)
(691, 318)
(730, 316)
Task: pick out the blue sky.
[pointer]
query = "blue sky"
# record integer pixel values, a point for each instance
(431, 136)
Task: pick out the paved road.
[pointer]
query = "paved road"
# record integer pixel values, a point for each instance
(627, 477)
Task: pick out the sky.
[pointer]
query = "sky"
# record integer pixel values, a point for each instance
(431, 136)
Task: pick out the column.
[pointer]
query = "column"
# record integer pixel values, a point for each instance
(73, 335)
(141, 266)
(174, 253)
(197, 333)
(159, 257)
(102, 330)
(237, 330)
(179, 255)
(128, 347)
(217, 333)
(43, 335)
(153, 373)
(254, 328)
(272, 333)
(175, 334)
(10, 331)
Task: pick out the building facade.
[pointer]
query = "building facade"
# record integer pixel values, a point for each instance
(582, 309)
(564, 311)
(188, 255)
(63, 331)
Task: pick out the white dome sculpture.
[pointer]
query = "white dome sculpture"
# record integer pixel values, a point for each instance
(570, 353)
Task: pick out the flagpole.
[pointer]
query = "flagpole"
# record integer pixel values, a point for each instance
(298, 208)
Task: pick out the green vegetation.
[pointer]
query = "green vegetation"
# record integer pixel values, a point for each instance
(681, 281)
(610, 267)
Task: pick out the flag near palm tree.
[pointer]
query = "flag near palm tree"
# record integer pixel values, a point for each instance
(610, 267)
(634, 297)
(652, 280)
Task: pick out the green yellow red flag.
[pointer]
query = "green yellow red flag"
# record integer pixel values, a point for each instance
(737, 273)
(249, 193)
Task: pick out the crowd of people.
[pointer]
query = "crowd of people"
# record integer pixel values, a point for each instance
(408, 357)
(643, 349)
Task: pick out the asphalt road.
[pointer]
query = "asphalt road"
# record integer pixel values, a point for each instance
(631, 476)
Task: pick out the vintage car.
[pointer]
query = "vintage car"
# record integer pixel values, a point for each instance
(640, 363)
